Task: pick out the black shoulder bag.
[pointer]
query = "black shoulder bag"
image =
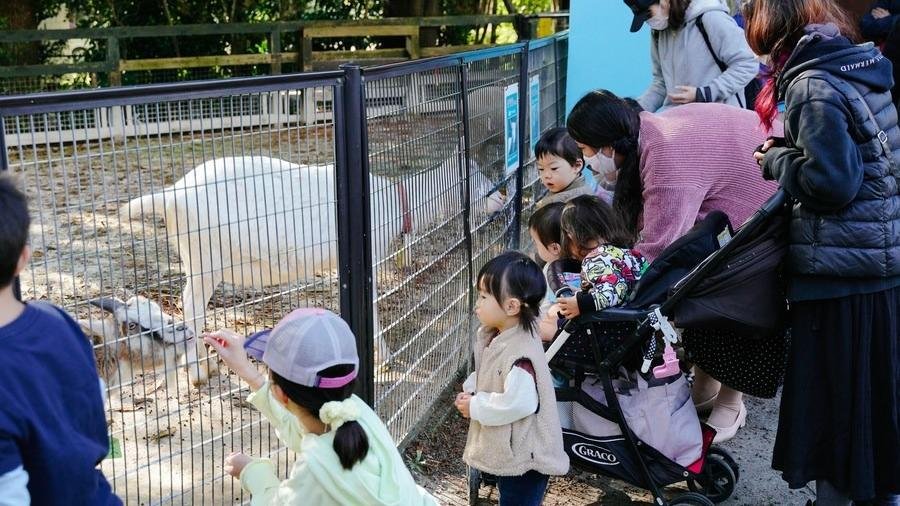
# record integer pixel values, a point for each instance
(753, 87)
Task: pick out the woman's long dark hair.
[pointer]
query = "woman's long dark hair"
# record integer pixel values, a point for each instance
(602, 119)
(677, 13)
(774, 27)
(350, 441)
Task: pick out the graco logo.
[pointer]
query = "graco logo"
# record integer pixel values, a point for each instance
(595, 454)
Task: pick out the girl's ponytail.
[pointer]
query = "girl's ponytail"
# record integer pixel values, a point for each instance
(351, 444)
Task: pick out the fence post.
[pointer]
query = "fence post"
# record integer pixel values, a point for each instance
(467, 187)
(4, 167)
(523, 148)
(275, 52)
(354, 236)
(112, 58)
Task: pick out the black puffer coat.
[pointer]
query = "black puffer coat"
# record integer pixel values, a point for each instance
(845, 229)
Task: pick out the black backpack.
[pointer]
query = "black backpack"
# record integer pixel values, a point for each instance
(751, 90)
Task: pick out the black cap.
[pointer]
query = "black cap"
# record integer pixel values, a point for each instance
(641, 10)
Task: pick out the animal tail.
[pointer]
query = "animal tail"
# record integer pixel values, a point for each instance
(148, 205)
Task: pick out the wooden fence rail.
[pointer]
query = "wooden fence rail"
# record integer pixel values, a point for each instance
(302, 55)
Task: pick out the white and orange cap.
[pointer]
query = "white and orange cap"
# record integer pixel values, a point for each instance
(303, 344)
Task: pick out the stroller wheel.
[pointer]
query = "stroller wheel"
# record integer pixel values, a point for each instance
(474, 485)
(715, 450)
(691, 499)
(716, 481)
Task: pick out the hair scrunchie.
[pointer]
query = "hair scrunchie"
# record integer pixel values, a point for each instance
(337, 413)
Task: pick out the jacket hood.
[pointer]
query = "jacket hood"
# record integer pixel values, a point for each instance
(698, 7)
(824, 48)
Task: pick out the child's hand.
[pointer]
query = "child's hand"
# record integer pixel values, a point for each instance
(568, 307)
(230, 347)
(235, 462)
(462, 403)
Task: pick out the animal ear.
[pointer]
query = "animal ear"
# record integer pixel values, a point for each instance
(109, 304)
(104, 329)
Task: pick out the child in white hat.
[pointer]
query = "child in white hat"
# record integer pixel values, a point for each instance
(345, 455)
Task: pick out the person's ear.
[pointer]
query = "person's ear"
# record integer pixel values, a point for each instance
(24, 257)
(279, 394)
(554, 248)
(579, 164)
(512, 306)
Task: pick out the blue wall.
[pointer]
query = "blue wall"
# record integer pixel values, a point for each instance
(603, 53)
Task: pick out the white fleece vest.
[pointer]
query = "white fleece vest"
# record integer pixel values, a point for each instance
(532, 443)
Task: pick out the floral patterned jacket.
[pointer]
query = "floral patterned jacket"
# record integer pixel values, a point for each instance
(608, 275)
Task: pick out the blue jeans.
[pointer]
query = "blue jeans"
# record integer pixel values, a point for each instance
(525, 490)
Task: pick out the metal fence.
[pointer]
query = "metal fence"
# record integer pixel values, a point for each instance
(383, 188)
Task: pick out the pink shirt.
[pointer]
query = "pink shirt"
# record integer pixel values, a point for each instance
(697, 158)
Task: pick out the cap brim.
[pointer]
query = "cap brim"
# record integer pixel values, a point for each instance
(639, 20)
(255, 344)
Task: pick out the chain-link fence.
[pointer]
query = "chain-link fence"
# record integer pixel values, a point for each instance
(161, 211)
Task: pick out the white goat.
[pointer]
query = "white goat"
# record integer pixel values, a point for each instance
(258, 221)
(136, 335)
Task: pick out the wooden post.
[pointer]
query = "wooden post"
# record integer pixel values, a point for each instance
(305, 56)
(113, 61)
(275, 51)
(413, 46)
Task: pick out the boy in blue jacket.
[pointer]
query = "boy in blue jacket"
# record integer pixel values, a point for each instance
(52, 420)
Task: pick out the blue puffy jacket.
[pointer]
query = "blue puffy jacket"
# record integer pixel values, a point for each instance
(845, 227)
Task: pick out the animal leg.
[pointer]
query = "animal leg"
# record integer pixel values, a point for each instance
(197, 293)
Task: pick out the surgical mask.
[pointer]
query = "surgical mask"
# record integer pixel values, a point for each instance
(602, 165)
(658, 23)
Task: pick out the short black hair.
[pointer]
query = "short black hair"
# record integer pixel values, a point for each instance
(558, 142)
(14, 222)
(515, 275)
(547, 223)
(587, 219)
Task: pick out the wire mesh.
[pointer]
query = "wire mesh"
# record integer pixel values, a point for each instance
(245, 232)
(489, 79)
(421, 269)
(541, 64)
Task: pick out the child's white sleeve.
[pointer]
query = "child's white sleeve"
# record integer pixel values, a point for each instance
(518, 400)
(14, 488)
(470, 384)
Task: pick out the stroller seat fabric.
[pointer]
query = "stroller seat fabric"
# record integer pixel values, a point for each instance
(660, 414)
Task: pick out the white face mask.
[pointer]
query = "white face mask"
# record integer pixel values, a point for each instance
(602, 165)
(658, 23)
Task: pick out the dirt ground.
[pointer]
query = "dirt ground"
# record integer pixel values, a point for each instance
(435, 457)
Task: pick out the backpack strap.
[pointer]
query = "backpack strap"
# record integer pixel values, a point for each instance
(722, 66)
(849, 91)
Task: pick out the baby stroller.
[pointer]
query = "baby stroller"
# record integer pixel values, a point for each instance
(700, 280)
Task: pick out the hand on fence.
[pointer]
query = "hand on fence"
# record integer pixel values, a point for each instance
(495, 202)
(230, 347)
(235, 462)
(462, 403)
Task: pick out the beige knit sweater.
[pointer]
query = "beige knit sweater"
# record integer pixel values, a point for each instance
(532, 443)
